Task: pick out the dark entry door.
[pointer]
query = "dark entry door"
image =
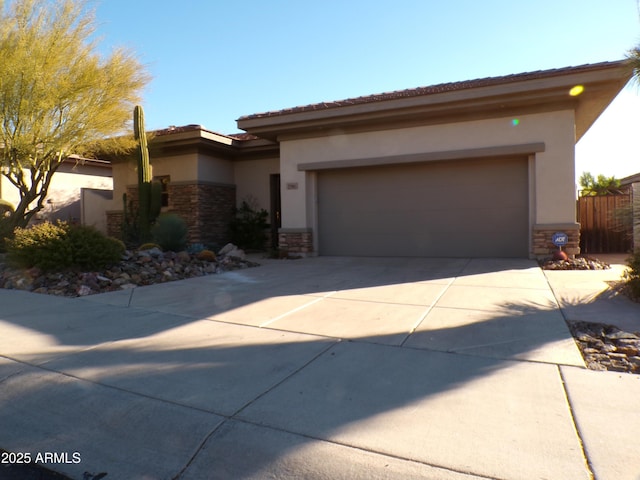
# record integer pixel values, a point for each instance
(274, 213)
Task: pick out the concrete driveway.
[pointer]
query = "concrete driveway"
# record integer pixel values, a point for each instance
(315, 368)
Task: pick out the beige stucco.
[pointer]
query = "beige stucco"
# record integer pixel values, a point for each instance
(251, 177)
(552, 201)
(214, 169)
(181, 168)
(64, 190)
(93, 205)
(252, 180)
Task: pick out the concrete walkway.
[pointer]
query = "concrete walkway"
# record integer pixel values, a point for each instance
(320, 368)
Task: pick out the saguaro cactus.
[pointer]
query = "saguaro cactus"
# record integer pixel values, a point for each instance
(145, 214)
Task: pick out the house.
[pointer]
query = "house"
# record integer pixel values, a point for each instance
(203, 175)
(632, 184)
(71, 182)
(478, 168)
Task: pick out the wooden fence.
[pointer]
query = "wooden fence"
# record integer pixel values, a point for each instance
(605, 223)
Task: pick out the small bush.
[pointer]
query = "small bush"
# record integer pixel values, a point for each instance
(91, 249)
(206, 255)
(170, 232)
(39, 246)
(6, 233)
(248, 227)
(633, 275)
(53, 247)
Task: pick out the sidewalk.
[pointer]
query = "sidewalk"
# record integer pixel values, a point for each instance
(318, 368)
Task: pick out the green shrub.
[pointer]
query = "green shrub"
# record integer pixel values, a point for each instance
(91, 249)
(6, 233)
(170, 232)
(40, 246)
(633, 275)
(248, 227)
(59, 246)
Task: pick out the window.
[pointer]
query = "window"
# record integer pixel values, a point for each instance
(164, 189)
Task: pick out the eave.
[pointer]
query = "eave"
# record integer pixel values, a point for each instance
(513, 95)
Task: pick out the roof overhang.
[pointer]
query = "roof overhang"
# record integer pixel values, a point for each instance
(196, 139)
(501, 96)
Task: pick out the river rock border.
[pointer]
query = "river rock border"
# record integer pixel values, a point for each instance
(136, 269)
(606, 347)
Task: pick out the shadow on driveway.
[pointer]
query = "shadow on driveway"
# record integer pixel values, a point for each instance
(164, 394)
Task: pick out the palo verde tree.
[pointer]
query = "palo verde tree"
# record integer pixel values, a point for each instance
(58, 94)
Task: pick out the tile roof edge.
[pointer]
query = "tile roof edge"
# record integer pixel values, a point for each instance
(239, 136)
(437, 88)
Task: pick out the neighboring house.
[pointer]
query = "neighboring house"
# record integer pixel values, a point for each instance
(475, 168)
(632, 183)
(63, 200)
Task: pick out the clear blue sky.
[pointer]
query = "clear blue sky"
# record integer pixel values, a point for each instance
(213, 61)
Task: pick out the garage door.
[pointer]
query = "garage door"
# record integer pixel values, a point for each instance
(462, 208)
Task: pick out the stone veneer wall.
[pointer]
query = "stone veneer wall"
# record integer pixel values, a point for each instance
(207, 208)
(542, 234)
(295, 241)
(114, 223)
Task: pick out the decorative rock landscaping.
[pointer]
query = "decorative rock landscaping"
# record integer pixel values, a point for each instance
(145, 267)
(605, 347)
(578, 263)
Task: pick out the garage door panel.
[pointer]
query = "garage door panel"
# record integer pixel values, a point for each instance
(459, 208)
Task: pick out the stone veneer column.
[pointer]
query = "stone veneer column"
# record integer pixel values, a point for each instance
(296, 241)
(542, 244)
(206, 207)
(114, 223)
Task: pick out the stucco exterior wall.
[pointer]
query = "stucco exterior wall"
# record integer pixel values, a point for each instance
(214, 169)
(94, 204)
(64, 192)
(551, 189)
(181, 168)
(252, 180)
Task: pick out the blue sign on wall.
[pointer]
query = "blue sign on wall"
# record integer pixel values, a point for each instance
(560, 239)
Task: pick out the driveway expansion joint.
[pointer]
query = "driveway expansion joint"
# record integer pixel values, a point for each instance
(427, 311)
(579, 434)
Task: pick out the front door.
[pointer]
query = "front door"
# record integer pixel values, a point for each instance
(274, 213)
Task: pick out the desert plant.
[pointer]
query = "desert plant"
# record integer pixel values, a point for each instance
(248, 227)
(39, 246)
(170, 232)
(6, 226)
(149, 192)
(6, 233)
(91, 249)
(60, 93)
(632, 276)
(138, 219)
(54, 247)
